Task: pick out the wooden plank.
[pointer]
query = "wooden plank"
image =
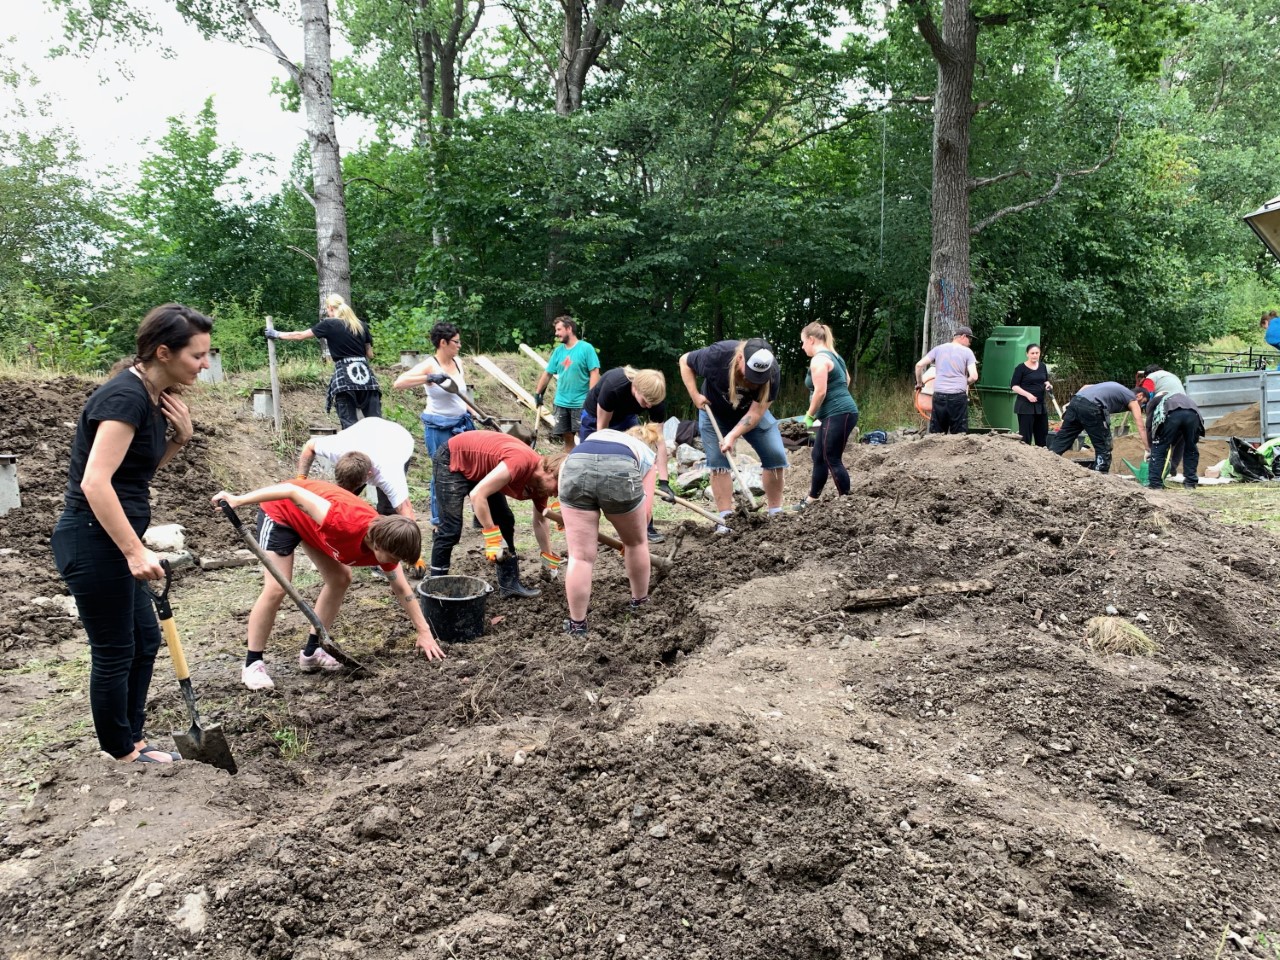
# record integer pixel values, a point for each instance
(889, 596)
(533, 354)
(520, 393)
(275, 376)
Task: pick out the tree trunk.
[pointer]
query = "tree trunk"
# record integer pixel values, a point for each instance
(333, 257)
(950, 274)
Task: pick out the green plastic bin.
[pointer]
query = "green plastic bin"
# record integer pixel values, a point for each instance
(1002, 351)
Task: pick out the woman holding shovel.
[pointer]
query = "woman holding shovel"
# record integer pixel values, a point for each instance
(740, 379)
(130, 426)
(610, 473)
(446, 414)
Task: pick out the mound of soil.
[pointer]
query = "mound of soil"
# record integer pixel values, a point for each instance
(1245, 422)
(745, 767)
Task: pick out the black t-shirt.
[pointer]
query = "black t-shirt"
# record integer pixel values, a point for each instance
(1033, 382)
(712, 364)
(124, 397)
(342, 342)
(613, 392)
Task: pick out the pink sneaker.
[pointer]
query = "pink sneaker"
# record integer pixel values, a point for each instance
(317, 662)
(255, 676)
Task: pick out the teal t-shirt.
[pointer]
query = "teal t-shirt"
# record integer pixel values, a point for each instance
(838, 398)
(573, 365)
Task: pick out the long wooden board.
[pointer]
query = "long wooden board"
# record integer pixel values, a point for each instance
(520, 393)
(533, 354)
(888, 596)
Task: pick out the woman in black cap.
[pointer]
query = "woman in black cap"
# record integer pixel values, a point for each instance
(740, 379)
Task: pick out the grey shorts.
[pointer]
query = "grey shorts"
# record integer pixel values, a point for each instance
(610, 483)
(568, 419)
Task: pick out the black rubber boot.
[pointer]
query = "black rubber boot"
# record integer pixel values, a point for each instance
(509, 584)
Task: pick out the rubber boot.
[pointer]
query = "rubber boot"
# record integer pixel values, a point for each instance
(509, 584)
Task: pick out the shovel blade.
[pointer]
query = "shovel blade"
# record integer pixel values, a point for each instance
(351, 663)
(206, 745)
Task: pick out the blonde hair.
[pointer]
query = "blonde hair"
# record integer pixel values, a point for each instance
(820, 331)
(650, 384)
(344, 313)
(646, 433)
(736, 389)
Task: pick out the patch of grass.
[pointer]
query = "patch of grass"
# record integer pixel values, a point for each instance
(1251, 504)
(294, 743)
(1110, 635)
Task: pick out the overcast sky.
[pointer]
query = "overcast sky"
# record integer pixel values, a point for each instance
(112, 115)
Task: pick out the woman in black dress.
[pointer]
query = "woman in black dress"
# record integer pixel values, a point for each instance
(1030, 381)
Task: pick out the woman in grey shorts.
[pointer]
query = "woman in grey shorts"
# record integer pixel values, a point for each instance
(611, 473)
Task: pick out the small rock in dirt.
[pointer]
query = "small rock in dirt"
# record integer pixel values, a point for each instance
(856, 921)
(191, 916)
(165, 538)
(1024, 911)
(643, 882)
(154, 890)
(381, 822)
(904, 826)
(116, 805)
(498, 846)
(1111, 611)
(658, 830)
(639, 812)
(29, 854)
(519, 759)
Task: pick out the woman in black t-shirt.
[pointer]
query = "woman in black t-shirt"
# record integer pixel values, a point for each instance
(353, 389)
(1030, 381)
(97, 543)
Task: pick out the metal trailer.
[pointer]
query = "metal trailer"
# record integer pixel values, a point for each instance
(1218, 394)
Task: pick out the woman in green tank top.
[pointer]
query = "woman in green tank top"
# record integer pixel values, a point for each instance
(831, 406)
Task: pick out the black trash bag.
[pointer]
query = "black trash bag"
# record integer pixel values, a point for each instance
(1248, 464)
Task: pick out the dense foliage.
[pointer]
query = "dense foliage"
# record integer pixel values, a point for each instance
(729, 169)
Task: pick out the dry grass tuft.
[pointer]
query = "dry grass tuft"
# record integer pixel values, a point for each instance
(1110, 635)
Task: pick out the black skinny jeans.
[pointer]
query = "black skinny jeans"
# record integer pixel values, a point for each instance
(120, 620)
(1085, 416)
(1180, 427)
(828, 453)
(350, 405)
(452, 489)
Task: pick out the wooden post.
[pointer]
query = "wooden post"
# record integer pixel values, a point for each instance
(523, 396)
(275, 376)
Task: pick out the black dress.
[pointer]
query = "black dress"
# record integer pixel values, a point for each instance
(1033, 418)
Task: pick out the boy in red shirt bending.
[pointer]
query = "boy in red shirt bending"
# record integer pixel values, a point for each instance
(338, 531)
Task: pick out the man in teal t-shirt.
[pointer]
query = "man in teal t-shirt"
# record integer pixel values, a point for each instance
(577, 368)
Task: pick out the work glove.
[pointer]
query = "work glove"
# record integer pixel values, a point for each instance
(665, 491)
(554, 504)
(537, 399)
(552, 564)
(494, 549)
(271, 334)
(436, 378)
(419, 569)
(808, 421)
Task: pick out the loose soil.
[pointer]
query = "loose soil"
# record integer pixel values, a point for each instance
(743, 768)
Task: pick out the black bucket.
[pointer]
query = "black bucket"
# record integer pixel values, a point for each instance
(454, 606)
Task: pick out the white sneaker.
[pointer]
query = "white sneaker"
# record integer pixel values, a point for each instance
(317, 661)
(255, 677)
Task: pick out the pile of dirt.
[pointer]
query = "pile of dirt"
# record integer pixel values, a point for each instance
(743, 766)
(1245, 422)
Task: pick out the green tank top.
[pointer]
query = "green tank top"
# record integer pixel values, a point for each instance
(838, 398)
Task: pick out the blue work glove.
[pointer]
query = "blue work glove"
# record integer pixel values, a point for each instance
(537, 399)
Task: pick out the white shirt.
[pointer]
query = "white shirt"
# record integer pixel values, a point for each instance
(644, 453)
(440, 402)
(387, 444)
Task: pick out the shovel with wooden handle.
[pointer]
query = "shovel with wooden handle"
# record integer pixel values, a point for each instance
(660, 566)
(517, 430)
(326, 642)
(200, 743)
(689, 505)
(737, 474)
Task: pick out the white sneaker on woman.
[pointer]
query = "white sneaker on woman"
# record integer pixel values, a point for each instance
(255, 676)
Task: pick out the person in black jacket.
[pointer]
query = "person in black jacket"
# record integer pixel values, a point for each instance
(130, 426)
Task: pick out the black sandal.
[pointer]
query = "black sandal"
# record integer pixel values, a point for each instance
(145, 751)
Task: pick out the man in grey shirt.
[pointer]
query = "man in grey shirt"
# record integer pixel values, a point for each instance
(1090, 412)
(956, 367)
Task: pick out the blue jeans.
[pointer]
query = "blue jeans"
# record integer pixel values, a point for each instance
(764, 437)
(436, 431)
(118, 616)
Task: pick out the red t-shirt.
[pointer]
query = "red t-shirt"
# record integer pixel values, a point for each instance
(476, 453)
(342, 534)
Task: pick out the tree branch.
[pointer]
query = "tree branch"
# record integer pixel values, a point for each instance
(978, 182)
(518, 17)
(309, 256)
(265, 38)
(929, 30)
(1051, 192)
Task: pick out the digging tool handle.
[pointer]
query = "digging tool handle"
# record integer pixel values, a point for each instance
(164, 612)
(737, 474)
(689, 505)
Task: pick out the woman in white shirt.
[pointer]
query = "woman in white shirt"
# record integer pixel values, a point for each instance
(446, 415)
(610, 473)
